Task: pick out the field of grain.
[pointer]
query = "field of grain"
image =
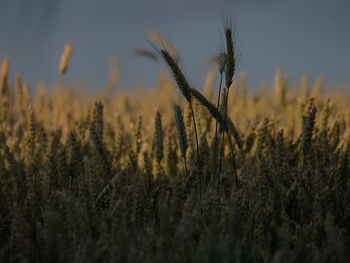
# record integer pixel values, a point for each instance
(169, 175)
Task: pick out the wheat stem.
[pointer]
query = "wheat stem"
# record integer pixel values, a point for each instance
(197, 161)
(222, 140)
(216, 130)
(233, 161)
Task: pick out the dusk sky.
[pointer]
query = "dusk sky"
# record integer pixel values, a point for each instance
(304, 37)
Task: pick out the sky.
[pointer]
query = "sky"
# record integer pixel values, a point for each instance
(303, 37)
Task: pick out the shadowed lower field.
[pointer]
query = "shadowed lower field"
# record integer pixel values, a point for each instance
(101, 182)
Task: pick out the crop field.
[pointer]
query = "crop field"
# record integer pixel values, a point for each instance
(175, 174)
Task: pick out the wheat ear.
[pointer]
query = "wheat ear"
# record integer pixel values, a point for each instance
(229, 72)
(181, 132)
(65, 59)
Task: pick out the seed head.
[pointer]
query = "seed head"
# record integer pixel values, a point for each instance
(5, 68)
(181, 131)
(222, 62)
(65, 59)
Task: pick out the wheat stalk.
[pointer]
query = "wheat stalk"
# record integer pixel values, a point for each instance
(229, 72)
(221, 65)
(186, 91)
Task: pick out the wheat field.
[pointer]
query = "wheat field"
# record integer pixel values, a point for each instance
(174, 174)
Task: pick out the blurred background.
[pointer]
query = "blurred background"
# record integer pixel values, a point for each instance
(304, 37)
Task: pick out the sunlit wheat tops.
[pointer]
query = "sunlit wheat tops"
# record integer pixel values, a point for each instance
(4, 68)
(4, 72)
(65, 59)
